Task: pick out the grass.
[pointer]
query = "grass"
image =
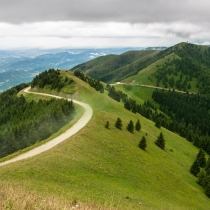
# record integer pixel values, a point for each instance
(140, 94)
(106, 167)
(142, 77)
(11, 197)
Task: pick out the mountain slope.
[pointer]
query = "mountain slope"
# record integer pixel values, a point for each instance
(114, 68)
(184, 67)
(105, 166)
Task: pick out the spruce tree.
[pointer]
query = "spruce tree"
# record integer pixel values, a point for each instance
(207, 185)
(107, 125)
(201, 177)
(201, 158)
(195, 168)
(160, 142)
(158, 122)
(138, 125)
(118, 123)
(143, 143)
(207, 168)
(207, 192)
(130, 126)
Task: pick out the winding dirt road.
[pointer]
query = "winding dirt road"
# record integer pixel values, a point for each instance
(70, 132)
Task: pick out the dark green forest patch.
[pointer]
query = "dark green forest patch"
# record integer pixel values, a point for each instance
(24, 123)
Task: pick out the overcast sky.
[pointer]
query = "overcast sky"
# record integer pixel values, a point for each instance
(102, 23)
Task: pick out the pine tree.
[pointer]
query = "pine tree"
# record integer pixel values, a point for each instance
(118, 123)
(143, 143)
(160, 142)
(207, 168)
(130, 126)
(158, 122)
(201, 158)
(195, 168)
(207, 192)
(138, 125)
(207, 185)
(107, 125)
(201, 177)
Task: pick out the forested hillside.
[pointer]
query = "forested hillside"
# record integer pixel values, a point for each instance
(189, 114)
(23, 123)
(52, 79)
(183, 67)
(113, 68)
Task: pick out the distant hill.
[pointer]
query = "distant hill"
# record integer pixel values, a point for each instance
(112, 68)
(184, 67)
(156, 48)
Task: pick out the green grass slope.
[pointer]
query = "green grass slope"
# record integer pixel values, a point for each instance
(143, 76)
(105, 166)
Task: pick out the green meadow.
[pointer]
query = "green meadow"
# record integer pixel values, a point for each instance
(105, 167)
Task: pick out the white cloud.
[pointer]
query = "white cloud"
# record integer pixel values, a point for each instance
(104, 23)
(76, 34)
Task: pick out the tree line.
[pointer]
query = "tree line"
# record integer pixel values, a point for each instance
(147, 109)
(92, 82)
(24, 123)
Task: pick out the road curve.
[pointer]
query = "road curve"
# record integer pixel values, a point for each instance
(68, 133)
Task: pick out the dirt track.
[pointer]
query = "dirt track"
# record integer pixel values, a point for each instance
(70, 132)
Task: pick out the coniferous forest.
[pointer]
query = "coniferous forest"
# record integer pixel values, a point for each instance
(24, 123)
(52, 78)
(190, 115)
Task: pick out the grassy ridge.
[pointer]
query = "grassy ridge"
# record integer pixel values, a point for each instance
(107, 167)
(112, 68)
(143, 75)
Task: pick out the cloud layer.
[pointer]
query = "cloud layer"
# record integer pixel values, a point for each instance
(133, 11)
(101, 23)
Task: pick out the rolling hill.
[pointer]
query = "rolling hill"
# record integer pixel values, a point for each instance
(184, 67)
(105, 167)
(113, 68)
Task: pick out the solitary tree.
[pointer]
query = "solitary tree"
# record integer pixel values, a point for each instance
(130, 126)
(160, 142)
(107, 125)
(118, 123)
(195, 168)
(143, 143)
(138, 125)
